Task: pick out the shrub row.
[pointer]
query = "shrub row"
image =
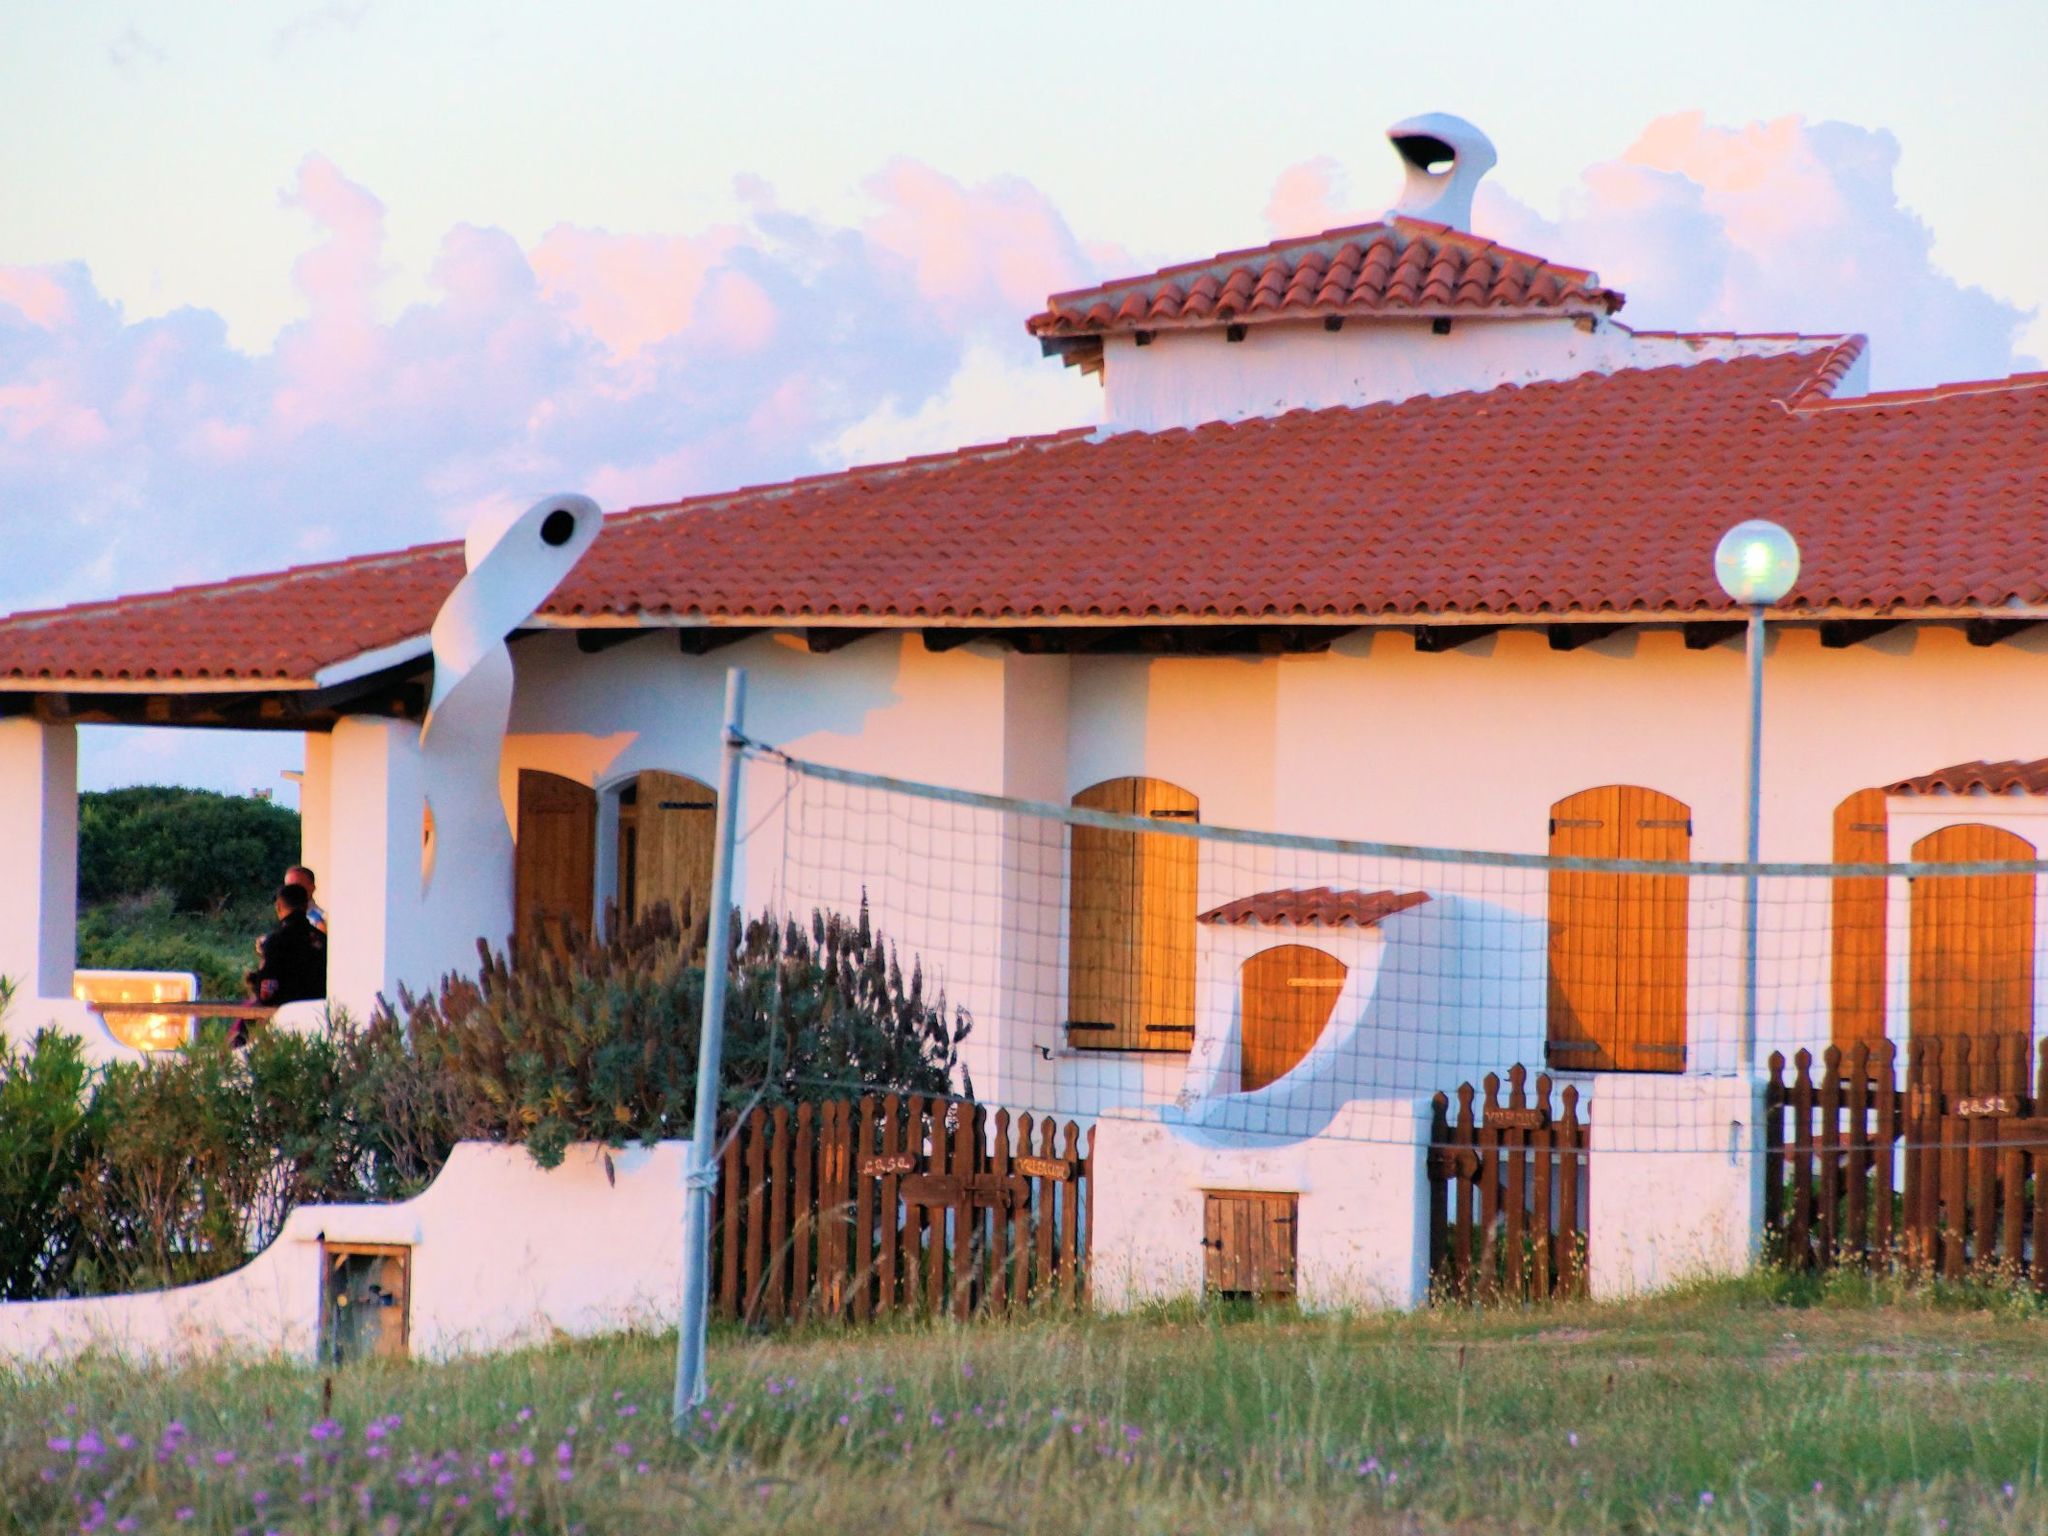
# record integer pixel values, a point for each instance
(136, 1176)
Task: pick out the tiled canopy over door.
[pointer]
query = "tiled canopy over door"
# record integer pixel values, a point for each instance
(669, 827)
(1973, 938)
(1856, 968)
(1288, 994)
(1131, 945)
(554, 864)
(1618, 941)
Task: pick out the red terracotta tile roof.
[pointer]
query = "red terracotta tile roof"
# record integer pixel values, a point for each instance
(1603, 494)
(2006, 778)
(1395, 267)
(1320, 906)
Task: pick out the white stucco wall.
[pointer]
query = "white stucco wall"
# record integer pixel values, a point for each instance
(503, 1254)
(1184, 378)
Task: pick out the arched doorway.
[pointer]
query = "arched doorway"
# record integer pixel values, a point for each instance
(668, 824)
(1972, 938)
(1618, 941)
(1131, 936)
(1287, 994)
(554, 859)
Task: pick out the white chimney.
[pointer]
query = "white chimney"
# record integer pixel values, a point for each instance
(1444, 157)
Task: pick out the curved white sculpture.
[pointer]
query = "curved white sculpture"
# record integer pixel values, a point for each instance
(514, 565)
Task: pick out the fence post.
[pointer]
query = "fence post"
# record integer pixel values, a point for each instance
(700, 1172)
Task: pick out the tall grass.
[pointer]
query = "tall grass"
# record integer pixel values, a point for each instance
(1766, 1405)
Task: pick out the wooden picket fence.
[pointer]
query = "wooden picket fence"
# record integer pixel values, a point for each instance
(1941, 1178)
(1508, 1194)
(856, 1209)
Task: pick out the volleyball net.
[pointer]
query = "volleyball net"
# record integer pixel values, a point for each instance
(1119, 956)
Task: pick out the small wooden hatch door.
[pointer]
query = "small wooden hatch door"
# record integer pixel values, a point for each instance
(365, 1302)
(1972, 937)
(554, 861)
(1287, 995)
(1248, 1244)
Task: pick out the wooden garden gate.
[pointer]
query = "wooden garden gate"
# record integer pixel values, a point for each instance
(1508, 1194)
(855, 1209)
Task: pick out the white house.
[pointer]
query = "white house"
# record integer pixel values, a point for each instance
(1384, 533)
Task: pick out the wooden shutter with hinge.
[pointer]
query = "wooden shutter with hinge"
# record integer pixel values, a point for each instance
(1857, 946)
(1131, 945)
(1618, 942)
(675, 822)
(1972, 938)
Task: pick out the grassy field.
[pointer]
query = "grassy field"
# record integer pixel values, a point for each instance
(1770, 1406)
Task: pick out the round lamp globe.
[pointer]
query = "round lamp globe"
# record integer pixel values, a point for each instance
(1757, 562)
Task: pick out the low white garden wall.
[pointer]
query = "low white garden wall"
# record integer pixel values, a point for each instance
(503, 1254)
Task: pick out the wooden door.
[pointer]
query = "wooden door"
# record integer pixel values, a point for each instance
(1618, 942)
(1131, 946)
(1287, 994)
(1972, 938)
(366, 1303)
(1248, 1244)
(1857, 943)
(555, 860)
(673, 824)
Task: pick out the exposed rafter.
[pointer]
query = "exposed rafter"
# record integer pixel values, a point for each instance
(1840, 634)
(703, 641)
(1569, 637)
(822, 640)
(1435, 638)
(1991, 631)
(1707, 633)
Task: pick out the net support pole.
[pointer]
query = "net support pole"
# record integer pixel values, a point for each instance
(700, 1166)
(1752, 818)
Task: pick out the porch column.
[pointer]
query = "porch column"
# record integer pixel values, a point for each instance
(38, 857)
(383, 932)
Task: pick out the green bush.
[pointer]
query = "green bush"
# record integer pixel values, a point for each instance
(203, 849)
(51, 1123)
(177, 1169)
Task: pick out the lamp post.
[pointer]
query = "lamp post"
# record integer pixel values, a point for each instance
(1756, 562)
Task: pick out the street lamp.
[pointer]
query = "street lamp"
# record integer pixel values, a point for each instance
(1756, 562)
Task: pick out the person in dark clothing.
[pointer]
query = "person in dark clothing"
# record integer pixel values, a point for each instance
(292, 956)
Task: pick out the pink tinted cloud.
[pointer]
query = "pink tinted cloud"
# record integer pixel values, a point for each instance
(35, 295)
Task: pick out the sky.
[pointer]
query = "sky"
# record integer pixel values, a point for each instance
(284, 283)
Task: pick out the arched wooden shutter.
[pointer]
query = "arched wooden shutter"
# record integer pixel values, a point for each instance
(1856, 966)
(1287, 995)
(1973, 938)
(673, 823)
(555, 859)
(1131, 945)
(1618, 942)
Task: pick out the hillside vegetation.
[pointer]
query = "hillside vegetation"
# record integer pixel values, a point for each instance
(174, 879)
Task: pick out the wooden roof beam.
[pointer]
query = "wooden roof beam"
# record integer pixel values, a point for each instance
(822, 640)
(1840, 634)
(591, 642)
(702, 641)
(1704, 634)
(1569, 637)
(1434, 639)
(1991, 631)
